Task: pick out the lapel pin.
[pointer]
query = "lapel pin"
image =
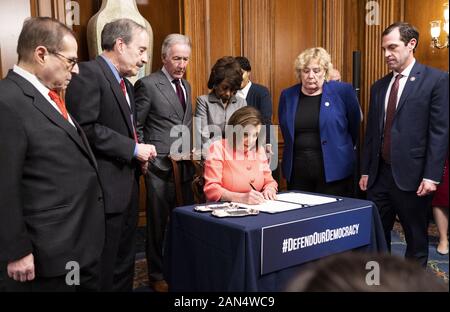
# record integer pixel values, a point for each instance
(327, 104)
(412, 78)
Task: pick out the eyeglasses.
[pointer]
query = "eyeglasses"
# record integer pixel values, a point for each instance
(72, 61)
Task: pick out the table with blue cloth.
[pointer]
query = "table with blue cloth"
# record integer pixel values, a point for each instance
(206, 253)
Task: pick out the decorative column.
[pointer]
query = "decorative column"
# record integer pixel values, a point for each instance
(109, 11)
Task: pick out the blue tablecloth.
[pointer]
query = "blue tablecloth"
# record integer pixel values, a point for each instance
(206, 253)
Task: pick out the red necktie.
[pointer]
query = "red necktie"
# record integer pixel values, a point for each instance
(124, 90)
(59, 102)
(123, 87)
(180, 93)
(390, 113)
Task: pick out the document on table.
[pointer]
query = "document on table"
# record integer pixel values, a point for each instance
(290, 201)
(306, 199)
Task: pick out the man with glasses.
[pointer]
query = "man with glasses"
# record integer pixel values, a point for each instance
(101, 98)
(70, 61)
(51, 208)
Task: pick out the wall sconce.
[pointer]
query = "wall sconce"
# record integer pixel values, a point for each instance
(436, 30)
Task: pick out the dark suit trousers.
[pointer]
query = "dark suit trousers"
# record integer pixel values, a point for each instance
(161, 199)
(42, 284)
(411, 209)
(89, 282)
(119, 252)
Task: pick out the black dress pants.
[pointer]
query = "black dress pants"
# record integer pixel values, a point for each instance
(117, 267)
(411, 210)
(308, 175)
(161, 199)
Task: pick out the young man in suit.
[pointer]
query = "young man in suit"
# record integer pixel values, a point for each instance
(101, 99)
(164, 112)
(256, 95)
(406, 139)
(51, 206)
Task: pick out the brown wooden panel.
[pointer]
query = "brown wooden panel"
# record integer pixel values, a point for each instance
(257, 37)
(372, 56)
(334, 31)
(164, 17)
(353, 36)
(195, 15)
(214, 27)
(12, 15)
(87, 10)
(429, 11)
(223, 29)
(296, 28)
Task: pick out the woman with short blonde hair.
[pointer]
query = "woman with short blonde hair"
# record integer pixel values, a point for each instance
(319, 120)
(308, 55)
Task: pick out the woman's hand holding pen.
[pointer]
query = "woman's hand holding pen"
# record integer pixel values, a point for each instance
(270, 193)
(253, 197)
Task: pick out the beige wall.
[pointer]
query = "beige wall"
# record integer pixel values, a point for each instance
(12, 15)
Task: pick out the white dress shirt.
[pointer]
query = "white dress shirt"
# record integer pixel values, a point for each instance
(39, 86)
(244, 91)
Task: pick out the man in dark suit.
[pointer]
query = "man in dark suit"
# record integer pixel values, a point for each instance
(51, 206)
(406, 139)
(164, 110)
(256, 95)
(101, 99)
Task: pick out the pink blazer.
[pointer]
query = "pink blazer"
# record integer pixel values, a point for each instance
(233, 170)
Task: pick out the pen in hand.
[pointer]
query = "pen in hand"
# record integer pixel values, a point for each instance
(258, 196)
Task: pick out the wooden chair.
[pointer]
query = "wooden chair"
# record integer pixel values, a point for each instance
(198, 180)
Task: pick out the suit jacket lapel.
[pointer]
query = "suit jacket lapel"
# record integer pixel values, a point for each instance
(117, 91)
(250, 93)
(188, 112)
(292, 108)
(411, 83)
(166, 89)
(48, 110)
(86, 144)
(381, 98)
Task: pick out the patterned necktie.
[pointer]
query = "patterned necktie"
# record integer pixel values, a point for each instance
(59, 102)
(124, 90)
(390, 113)
(180, 93)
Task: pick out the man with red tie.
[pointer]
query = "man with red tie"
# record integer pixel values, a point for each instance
(406, 139)
(101, 99)
(51, 202)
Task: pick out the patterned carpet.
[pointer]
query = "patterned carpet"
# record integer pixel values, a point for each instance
(437, 263)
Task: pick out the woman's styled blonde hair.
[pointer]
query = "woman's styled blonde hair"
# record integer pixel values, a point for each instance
(318, 53)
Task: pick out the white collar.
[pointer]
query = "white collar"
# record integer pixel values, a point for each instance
(166, 73)
(33, 80)
(244, 91)
(407, 70)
